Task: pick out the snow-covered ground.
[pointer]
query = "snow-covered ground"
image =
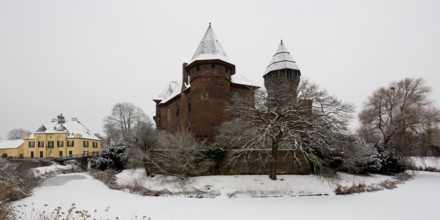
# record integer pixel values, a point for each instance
(52, 170)
(425, 162)
(244, 185)
(415, 199)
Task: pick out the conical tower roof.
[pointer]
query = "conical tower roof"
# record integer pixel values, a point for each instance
(281, 60)
(210, 48)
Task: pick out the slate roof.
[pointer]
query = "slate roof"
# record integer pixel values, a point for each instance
(281, 60)
(73, 127)
(210, 48)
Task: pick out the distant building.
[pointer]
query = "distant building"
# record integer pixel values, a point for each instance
(59, 138)
(198, 104)
(11, 148)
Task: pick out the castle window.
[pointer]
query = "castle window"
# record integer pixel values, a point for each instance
(40, 143)
(50, 144)
(60, 143)
(85, 144)
(61, 154)
(95, 144)
(31, 143)
(32, 154)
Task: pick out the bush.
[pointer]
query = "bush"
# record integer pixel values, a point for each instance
(114, 157)
(390, 162)
(180, 154)
(359, 157)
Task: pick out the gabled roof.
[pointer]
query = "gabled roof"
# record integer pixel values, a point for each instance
(170, 91)
(281, 60)
(72, 128)
(10, 144)
(210, 48)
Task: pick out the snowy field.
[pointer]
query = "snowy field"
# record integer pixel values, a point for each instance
(416, 199)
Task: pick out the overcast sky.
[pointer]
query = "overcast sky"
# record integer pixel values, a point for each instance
(81, 57)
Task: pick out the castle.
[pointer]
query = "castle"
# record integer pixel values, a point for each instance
(198, 104)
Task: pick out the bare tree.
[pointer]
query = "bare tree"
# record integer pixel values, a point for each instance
(279, 121)
(17, 133)
(176, 154)
(123, 123)
(397, 116)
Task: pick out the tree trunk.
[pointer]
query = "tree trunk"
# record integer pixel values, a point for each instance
(274, 162)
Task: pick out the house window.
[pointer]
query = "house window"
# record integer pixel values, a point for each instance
(61, 154)
(70, 153)
(85, 144)
(95, 144)
(41, 154)
(40, 143)
(70, 143)
(177, 111)
(32, 154)
(31, 143)
(60, 143)
(50, 144)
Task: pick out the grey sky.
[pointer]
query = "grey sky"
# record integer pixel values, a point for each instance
(81, 57)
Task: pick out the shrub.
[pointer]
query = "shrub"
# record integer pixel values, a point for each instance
(390, 162)
(114, 157)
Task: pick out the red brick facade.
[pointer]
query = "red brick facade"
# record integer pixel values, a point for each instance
(202, 106)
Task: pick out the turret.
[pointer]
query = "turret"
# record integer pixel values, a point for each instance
(282, 75)
(210, 73)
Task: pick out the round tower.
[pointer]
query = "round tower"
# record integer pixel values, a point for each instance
(210, 73)
(282, 76)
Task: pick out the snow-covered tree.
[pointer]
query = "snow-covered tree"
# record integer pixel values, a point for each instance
(308, 126)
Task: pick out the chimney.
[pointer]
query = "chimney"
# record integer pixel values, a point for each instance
(74, 119)
(184, 76)
(54, 120)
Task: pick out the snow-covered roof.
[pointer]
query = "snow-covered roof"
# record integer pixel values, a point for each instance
(169, 92)
(281, 60)
(73, 127)
(240, 79)
(8, 144)
(210, 48)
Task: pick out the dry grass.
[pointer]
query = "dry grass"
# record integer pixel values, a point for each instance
(359, 188)
(72, 213)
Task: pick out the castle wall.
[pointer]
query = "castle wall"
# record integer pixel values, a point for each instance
(210, 96)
